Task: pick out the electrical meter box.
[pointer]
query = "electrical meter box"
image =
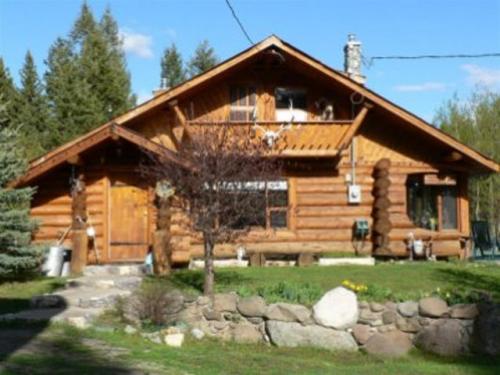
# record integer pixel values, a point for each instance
(361, 228)
(354, 194)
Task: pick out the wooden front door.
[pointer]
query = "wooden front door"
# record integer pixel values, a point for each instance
(128, 223)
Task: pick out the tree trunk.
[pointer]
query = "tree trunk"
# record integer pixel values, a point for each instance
(208, 285)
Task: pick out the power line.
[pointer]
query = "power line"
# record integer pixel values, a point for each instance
(369, 61)
(235, 16)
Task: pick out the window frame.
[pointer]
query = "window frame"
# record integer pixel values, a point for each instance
(250, 101)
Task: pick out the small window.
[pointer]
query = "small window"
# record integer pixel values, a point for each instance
(291, 104)
(243, 99)
(432, 207)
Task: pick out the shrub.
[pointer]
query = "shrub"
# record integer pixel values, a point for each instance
(149, 303)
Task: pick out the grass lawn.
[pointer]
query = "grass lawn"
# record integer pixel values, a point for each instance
(93, 352)
(385, 281)
(15, 295)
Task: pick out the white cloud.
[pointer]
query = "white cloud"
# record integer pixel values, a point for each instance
(137, 44)
(478, 75)
(426, 86)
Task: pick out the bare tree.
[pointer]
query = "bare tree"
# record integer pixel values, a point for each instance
(221, 186)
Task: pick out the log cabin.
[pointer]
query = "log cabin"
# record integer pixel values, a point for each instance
(362, 175)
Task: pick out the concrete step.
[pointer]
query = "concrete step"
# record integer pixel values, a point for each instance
(88, 297)
(116, 270)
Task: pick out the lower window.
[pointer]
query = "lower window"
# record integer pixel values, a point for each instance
(432, 207)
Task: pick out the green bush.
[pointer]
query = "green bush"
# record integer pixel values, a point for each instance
(306, 294)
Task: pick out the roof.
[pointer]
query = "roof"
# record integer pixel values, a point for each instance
(339, 77)
(115, 127)
(72, 149)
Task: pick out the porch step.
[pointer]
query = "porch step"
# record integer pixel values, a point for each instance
(116, 270)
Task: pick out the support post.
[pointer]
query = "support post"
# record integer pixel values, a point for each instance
(161, 244)
(257, 259)
(78, 225)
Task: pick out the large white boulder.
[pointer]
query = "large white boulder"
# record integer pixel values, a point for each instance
(338, 309)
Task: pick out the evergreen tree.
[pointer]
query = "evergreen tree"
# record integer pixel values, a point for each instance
(72, 104)
(83, 26)
(33, 110)
(204, 58)
(476, 122)
(17, 255)
(172, 70)
(9, 92)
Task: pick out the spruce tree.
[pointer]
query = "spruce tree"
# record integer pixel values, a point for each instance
(172, 70)
(204, 58)
(17, 255)
(72, 103)
(83, 26)
(9, 92)
(33, 111)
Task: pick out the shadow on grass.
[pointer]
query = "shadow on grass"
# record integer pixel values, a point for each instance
(472, 280)
(60, 353)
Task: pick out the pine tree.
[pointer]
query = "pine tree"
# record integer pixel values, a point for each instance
(172, 70)
(33, 111)
(204, 58)
(17, 255)
(83, 26)
(72, 104)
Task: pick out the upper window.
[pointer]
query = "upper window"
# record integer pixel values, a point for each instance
(432, 204)
(291, 104)
(243, 99)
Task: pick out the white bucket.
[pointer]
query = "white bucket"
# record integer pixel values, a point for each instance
(54, 262)
(418, 247)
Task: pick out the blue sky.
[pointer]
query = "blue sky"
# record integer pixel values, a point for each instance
(320, 28)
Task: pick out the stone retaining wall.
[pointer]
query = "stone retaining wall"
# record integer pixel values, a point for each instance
(338, 321)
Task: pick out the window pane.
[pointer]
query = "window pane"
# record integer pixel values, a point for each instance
(422, 203)
(284, 96)
(449, 199)
(278, 219)
(278, 198)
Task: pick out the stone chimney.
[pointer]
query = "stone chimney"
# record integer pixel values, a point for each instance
(352, 59)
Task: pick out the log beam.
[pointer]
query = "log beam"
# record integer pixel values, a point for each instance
(78, 225)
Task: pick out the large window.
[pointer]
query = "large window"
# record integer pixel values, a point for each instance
(243, 100)
(271, 210)
(432, 204)
(291, 104)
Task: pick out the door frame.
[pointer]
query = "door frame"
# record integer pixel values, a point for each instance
(107, 211)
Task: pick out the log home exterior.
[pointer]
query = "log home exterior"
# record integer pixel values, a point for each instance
(340, 130)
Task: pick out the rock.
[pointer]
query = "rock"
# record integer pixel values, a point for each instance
(408, 308)
(197, 333)
(291, 334)
(338, 309)
(361, 333)
(410, 325)
(48, 301)
(225, 302)
(203, 300)
(288, 312)
(129, 330)
(432, 307)
(389, 317)
(153, 337)
(376, 307)
(391, 306)
(174, 302)
(368, 317)
(79, 322)
(247, 333)
(219, 325)
(386, 328)
(174, 339)
(363, 305)
(464, 311)
(486, 336)
(190, 315)
(254, 306)
(388, 344)
(255, 320)
(210, 314)
(447, 337)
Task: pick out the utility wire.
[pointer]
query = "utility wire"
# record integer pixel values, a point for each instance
(369, 61)
(235, 16)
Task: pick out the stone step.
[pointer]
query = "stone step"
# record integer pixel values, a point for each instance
(116, 270)
(106, 282)
(88, 297)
